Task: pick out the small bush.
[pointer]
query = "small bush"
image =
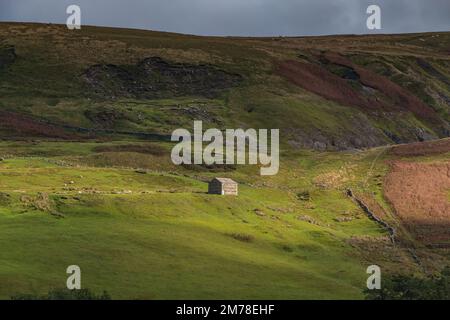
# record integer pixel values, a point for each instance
(52, 102)
(242, 237)
(401, 287)
(304, 196)
(5, 199)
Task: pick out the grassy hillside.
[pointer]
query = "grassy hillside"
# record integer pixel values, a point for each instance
(324, 93)
(86, 176)
(159, 235)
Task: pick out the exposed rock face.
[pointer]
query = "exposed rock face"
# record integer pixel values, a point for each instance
(322, 142)
(157, 78)
(364, 136)
(361, 135)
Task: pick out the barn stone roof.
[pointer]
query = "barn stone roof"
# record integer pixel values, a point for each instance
(225, 180)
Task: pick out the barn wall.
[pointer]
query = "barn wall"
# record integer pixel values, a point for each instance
(216, 187)
(230, 189)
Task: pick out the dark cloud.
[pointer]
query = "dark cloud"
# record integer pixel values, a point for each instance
(240, 17)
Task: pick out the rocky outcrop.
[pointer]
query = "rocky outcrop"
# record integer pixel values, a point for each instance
(156, 78)
(368, 137)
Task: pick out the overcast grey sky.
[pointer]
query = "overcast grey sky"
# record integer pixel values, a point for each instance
(240, 17)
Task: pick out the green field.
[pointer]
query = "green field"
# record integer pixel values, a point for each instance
(86, 177)
(159, 235)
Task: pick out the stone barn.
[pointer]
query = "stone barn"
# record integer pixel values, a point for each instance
(223, 186)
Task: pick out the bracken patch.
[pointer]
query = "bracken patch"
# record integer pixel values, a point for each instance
(422, 148)
(353, 85)
(24, 126)
(419, 194)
